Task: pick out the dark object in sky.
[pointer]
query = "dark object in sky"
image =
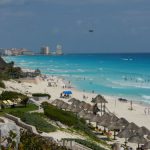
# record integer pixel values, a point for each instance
(91, 30)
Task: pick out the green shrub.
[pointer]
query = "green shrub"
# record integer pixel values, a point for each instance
(56, 114)
(2, 85)
(68, 118)
(88, 144)
(12, 95)
(30, 141)
(35, 119)
(41, 95)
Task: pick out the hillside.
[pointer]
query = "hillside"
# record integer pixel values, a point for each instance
(3, 65)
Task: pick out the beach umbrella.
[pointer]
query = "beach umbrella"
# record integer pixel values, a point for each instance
(76, 103)
(82, 113)
(87, 106)
(76, 109)
(67, 92)
(55, 101)
(105, 116)
(125, 133)
(104, 123)
(113, 118)
(116, 126)
(82, 104)
(60, 103)
(64, 106)
(96, 119)
(137, 139)
(123, 121)
(90, 109)
(146, 145)
(100, 99)
(88, 116)
(143, 131)
(148, 137)
(132, 126)
(70, 107)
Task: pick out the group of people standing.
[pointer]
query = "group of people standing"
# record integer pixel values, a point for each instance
(147, 110)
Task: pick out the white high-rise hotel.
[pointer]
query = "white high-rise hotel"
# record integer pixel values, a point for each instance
(59, 49)
(45, 50)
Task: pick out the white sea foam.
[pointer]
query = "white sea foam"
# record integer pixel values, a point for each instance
(129, 84)
(139, 79)
(80, 70)
(147, 97)
(100, 69)
(126, 59)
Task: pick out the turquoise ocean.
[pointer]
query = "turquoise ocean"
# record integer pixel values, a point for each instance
(122, 75)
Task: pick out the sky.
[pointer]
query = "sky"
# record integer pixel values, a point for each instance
(118, 25)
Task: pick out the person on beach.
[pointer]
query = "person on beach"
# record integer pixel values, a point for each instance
(145, 110)
(149, 111)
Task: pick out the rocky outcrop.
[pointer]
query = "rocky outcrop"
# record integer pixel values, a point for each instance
(3, 64)
(5, 128)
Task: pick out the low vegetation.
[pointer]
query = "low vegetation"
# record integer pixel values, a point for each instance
(2, 85)
(30, 141)
(88, 144)
(30, 107)
(10, 95)
(68, 118)
(41, 95)
(56, 114)
(34, 119)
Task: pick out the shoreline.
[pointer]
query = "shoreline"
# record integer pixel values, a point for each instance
(121, 109)
(135, 99)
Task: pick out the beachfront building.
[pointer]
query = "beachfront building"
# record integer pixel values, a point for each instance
(45, 50)
(27, 53)
(59, 49)
(5, 52)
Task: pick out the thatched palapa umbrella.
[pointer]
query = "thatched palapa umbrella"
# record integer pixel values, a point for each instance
(72, 100)
(64, 106)
(82, 104)
(60, 103)
(86, 106)
(96, 119)
(76, 109)
(55, 101)
(100, 99)
(146, 146)
(76, 103)
(88, 116)
(148, 137)
(105, 120)
(137, 139)
(132, 126)
(123, 121)
(82, 113)
(116, 126)
(126, 133)
(70, 107)
(90, 109)
(143, 131)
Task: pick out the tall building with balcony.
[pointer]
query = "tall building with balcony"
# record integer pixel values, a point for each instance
(45, 50)
(59, 49)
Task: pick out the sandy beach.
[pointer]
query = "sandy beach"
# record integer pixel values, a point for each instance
(120, 109)
(54, 86)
